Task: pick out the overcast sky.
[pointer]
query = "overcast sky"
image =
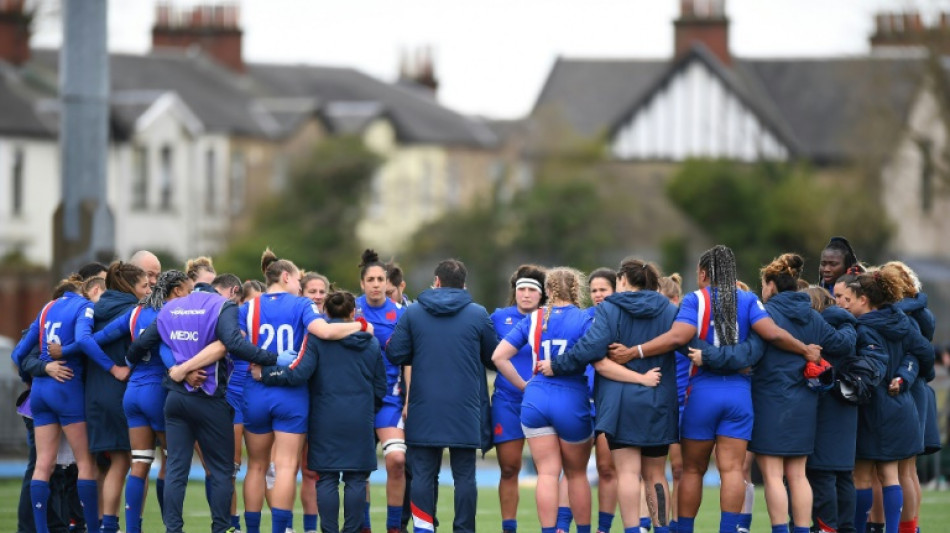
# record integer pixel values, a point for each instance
(492, 56)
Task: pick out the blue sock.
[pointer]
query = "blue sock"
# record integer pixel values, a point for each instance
(393, 516)
(634, 529)
(893, 501)
(509, 525)
(673, 526)
(583, 529)
(367, 523)
(745, 522)
(645, 523)
(801, 530)
(661, 529)
(863, 498)
(780, 528)
(160, 494)
(604, 521)
(134, 496)
(110, 523)
(281, 519)
(252, 521)
(548, 530)
(564, 518)
(728, 522)
(685, 524)
(309, 522)
(236, 521)
(89, 498)
(39, 497)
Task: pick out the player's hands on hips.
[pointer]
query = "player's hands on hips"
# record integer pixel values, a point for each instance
(59, 371)
(652, 377)
(696, 356)
(120, 373)
(544, 367)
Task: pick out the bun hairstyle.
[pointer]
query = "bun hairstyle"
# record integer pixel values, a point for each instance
(535, 272)
(167, 282)
(820, 298)
(672, 286)
(123, 277)
(273, 267)
(881, 287)
(369, 259)
(195, 266)
(640, 274)
(71, 284)
(340, 304)
(784, 271)
(909, 282)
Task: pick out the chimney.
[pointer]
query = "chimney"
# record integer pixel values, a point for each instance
(420, 70)
(14, 32)
(702, 21)
(900, 29)
(215, 29)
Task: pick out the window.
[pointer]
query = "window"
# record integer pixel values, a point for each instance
(166, 178)
(17, 179)
(926, 175)
(140, 178)
(238, 172)
(453, 185)
(375, 207)
(211, 175)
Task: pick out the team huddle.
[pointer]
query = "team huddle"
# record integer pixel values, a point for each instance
(825, 387)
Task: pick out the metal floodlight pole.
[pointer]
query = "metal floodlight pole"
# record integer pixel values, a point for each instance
(84, 229)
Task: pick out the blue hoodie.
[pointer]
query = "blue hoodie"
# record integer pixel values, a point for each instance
(888, 427)
(924, 398)
(108, 428)
(785, 408)
(347, 381)
(449, 340)
(837, 421)
(916, 308)
(630, 414)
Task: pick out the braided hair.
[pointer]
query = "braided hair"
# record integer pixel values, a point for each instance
(562, 284)
(719, 264)
(167, 282)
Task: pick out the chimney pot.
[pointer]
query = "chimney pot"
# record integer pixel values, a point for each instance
(214, 28)
(702, 22)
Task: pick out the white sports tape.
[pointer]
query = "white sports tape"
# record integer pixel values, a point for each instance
(143, 456)
(394, 445)
(270, 477)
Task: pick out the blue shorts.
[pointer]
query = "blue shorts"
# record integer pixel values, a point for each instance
(144, 405)
(506, 419)
(390, 414)
(57, 403)
(712, 411)
(552, 409)
(268, 409)
(235, 398)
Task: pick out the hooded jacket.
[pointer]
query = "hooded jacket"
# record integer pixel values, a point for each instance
(449, 340)
(347, 382)
(924, 397)
(108, 428)
(629, 413)
(837, 419)
(888, 427)
(781, 398)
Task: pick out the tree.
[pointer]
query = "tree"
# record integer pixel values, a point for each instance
(313, 220)
(763, 209)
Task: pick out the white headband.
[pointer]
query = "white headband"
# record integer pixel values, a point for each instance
(528, 282)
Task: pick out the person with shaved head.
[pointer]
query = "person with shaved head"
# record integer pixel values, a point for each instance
(148, 262)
